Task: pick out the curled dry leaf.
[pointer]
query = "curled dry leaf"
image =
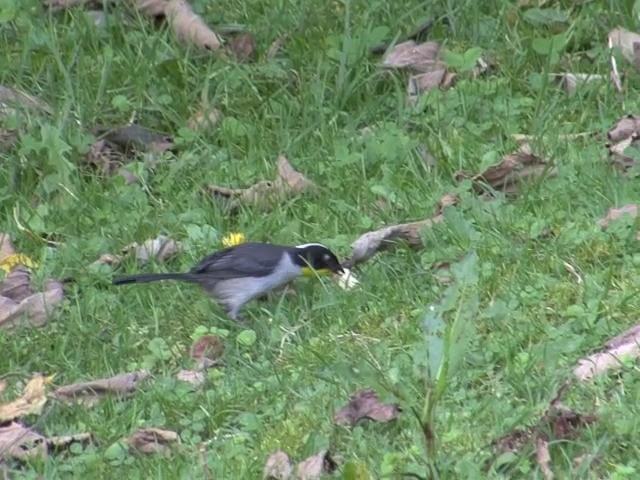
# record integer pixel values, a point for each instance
(571, 81)
(189, 27)
(205, 118)
(277, 467)
(35, 309)
(22, 443)
(152, 440)
(30, 402)
(629, 44)
(543, 458)
(630, 210)
(510, 172)
(623, 138)
(385, 238)
(366, 405)
(266, 194)
(418, 58)
(90, 392)
(12, 101)
(316, 467)
(206, 352)
(134, 138)
(243, 47)
(277, 45)
(160, 248)
(623, 346)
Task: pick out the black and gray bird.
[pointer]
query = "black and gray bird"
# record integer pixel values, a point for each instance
(238, 274)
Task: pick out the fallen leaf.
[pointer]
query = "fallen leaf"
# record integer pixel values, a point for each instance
(514, 169)
(418, 35)
(207, 346)
(370, 243)
(266, 194)
(543, 458)
(629, 44)
(34, 310)
(108, 259)
(190, 28)
(623, 139)
(160, 248)
(424, 82)
(630, 210)
(624, 128)
(89, 393)
(152, 440)
(365, 404)
(153, 8)
(30, 402)
(419, 58)
(16, 285)
(194, 377)
(624, 346)
(13, 100)
(277, 467)
(571, 81)
(316, 466)
(277, 45)
(243, 47)
(205, 118)
(22, 443)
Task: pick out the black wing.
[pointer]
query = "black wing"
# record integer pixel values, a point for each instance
(244, 260)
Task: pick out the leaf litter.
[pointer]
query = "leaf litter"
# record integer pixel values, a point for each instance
(90, 392)
(265, 194)
(20, 303)
(623, 142)
(365, 404)
(205, 353)
(278, 466)
(152, 441)
(161, 248)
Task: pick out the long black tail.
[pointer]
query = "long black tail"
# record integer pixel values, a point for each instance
(152, 277)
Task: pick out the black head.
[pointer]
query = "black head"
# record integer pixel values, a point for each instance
(316, 259)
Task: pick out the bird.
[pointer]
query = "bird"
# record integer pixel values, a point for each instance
(236, 275)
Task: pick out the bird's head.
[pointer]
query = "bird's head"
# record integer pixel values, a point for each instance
(316, 259)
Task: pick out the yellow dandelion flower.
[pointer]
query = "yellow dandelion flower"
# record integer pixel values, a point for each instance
(232, 239)
(12, 261)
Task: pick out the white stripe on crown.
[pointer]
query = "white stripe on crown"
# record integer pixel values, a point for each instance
(305, 245)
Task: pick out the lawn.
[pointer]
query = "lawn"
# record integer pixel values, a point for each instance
(526, 286)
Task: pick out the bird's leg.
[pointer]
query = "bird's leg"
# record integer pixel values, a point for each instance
(233, 313)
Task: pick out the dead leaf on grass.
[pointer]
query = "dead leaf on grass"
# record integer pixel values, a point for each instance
(20, 442)
(317, 466)
(624, 346)
(277, 467)
(629, 210)
(205, 118)
(25, 306)
(266, 194)
(366, 405)
(277, 45)
(152, 440)
(623, 138)
(13, 100)
(89, 393)
(30, 402)
(206, 353)
(370, 243)
(507, 176)
(571, 81)
(243, 47)
(134, 138)
(161, 248)
(543, 458)
(629, 44)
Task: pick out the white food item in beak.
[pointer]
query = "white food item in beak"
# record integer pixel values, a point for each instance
(346, 279)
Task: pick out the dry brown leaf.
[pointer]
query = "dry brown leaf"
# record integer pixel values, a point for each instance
(629, 44)
(277, 467)
(205, 118)
(316, 466)
(89, 393)
(22, 443)
(189, 27)
(207, 346)
(30, 402)
(160, 248)
(571, 81)
(514, 168)
(35, 310)
(266, 194)
(370, 243)
(419, 58)
(152, 440)
(365, 404)
(277, 45)
(108, 259)
(543, 458)
(134, 138)
(16, 285)
(630, 210)
(622, 137)
(153, 8)
(625, 345)
(6, 246)
(12, 100)
(624, 128)
(243, 47)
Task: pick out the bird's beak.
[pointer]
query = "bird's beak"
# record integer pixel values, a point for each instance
(338, 269)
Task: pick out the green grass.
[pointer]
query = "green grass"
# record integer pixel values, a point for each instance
(313, 351)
